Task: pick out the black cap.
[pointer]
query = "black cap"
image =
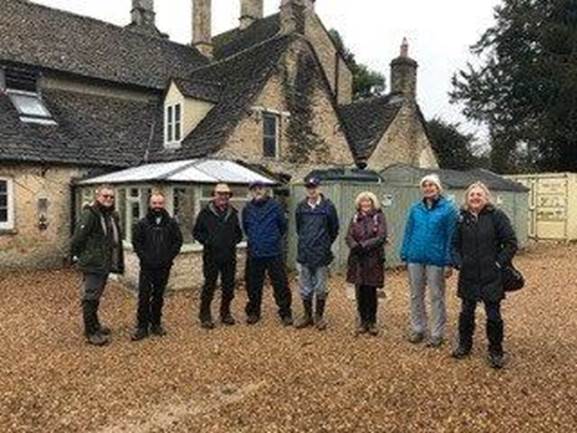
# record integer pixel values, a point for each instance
(256, 184)
(312, 182)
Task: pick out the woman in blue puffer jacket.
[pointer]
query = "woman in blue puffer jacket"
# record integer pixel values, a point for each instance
(427, 251)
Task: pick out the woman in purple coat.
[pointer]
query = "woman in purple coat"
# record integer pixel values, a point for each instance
(366, 238)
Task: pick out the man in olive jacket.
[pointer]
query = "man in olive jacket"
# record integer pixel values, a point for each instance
(157, 240)
(218, 229)
(97, 247)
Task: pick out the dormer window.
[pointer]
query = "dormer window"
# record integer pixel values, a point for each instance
(270, 135)
(21, 88)
(173, 125)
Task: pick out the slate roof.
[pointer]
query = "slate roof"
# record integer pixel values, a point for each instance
(366, 121)
(91, 130)
(49, 38)
(452, 179)
(233, 41)
(205, 90)
(242, 76)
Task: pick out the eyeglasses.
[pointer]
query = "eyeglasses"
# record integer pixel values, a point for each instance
(110, 196)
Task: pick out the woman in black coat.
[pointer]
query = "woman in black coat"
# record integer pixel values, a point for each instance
(483, 244)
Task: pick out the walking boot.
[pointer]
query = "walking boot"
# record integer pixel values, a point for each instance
(466, 331)
(495, 337)
(372, 329)
(205, 315)
(307, 319)
(91, 331)
(139, 334)
(158, 330)
(104, 330)
(320, 322)
(226, 317)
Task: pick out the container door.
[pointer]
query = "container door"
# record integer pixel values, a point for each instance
(551, 197)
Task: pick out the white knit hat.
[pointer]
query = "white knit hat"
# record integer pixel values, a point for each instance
(434, 179)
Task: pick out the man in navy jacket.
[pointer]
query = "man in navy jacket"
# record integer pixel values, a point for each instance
(264, 224)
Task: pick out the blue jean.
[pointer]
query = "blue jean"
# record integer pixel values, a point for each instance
(313, 281)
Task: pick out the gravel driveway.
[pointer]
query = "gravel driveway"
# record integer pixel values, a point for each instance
(271, 379)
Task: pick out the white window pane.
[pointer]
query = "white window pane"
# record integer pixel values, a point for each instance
(29, 105)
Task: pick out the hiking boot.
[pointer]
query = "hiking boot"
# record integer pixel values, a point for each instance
(104, 330)
(320, 322)
(252, 319)
(228, 320)
(139, 334)
(361, 329)
(287, 321)
(372, 329)
(435, 342)
(207, 324)
(97, 339)
(416, 337)
(307, 319)
(496, 360)
(461, 352)
(158, 330)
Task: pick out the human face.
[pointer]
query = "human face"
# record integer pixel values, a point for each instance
(221, 199)
(313, 193)
(430, 190)
(258, 192)
(157, 202)
(477, 199)
(366, 205)
(105, 197)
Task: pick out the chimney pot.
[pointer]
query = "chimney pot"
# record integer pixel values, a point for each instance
(250, 11)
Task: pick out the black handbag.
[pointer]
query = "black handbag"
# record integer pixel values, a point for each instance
(512, 278)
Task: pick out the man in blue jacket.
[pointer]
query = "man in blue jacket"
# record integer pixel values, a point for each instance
(317, 227)
(427, 251)
(264, 224)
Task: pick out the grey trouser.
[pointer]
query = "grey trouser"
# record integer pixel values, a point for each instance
(313, 281)
(421, 276)
(93, 286)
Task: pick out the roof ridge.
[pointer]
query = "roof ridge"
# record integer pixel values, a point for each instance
(370, 99)
(75, 15)
(235, 55)
(237, 28)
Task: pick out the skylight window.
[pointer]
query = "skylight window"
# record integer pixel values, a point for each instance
(30, 107)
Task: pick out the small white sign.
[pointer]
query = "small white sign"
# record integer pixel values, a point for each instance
(387, 200)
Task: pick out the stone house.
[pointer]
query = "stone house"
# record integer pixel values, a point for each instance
(81, 97)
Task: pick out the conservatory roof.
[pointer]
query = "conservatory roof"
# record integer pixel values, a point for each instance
(185, 171)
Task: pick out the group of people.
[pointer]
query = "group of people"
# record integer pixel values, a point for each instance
(478, 240)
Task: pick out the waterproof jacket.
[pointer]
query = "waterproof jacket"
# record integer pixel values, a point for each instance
(366, 239)
(219, 232)
(317, 229)
(428, 233)
(264, 224)
(157, 240)
(97, 241)
(481, 246)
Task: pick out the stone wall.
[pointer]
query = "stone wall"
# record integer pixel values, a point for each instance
(327, 53)
(404, 142)
(320, 138)
(29, 246)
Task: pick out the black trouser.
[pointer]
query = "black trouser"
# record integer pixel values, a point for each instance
(212, 269)
(151, 288)
(494, 327)
(255, 274)
(367, 303)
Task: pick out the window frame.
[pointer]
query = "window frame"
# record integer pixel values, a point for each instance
(45, 119)
(173, 125)
(270, 115)
(9, 224)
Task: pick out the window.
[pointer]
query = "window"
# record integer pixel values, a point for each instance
(173, 119)
(6, 204)
(270, 135)
(21, 88)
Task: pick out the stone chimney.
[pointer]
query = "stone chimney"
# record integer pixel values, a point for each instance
(294, 15)
(250, 11)
(202, 26)
(143, 17)
(404, 73)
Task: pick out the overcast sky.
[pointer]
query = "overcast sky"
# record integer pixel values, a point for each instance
(439, 32)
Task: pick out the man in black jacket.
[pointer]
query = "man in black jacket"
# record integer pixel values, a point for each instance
(218, 229)
(97, 248)
(157, 240)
